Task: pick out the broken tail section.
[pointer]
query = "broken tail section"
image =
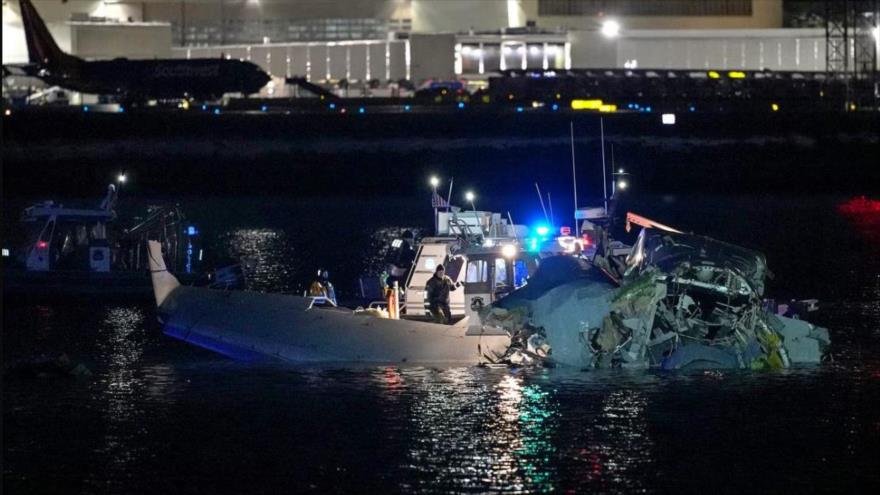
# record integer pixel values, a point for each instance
(163, 281)
(42, 48)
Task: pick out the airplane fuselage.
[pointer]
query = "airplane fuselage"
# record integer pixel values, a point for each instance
(159, 79)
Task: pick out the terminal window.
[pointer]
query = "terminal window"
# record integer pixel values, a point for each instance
(241, 31)
(645, 7)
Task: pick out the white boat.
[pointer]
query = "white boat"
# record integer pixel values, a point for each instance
(485, 256)
(250, 325)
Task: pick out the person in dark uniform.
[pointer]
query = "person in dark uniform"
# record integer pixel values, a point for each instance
(400, 261)
(438, 288)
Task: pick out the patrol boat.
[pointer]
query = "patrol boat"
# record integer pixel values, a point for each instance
(485, 255)
(257, 326)
(82, 250)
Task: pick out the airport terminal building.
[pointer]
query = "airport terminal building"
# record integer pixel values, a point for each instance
(327, 41)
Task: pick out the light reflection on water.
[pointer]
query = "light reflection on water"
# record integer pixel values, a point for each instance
(267, 256)
(425, 430)
(120, 390)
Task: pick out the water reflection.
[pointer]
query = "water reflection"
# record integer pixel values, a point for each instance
(538, 421)
(480, 430)
(267, 256)
(119, 389)
(622, 444)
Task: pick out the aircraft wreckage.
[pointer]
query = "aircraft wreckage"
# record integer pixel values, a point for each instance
(672, 301)
(679, 301)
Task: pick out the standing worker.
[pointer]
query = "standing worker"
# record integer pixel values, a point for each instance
(329, 290)
(438, 288)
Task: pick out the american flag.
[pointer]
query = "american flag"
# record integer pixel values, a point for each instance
(437, 201)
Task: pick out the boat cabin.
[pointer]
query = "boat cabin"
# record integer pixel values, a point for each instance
(67, 238)
(484, 255)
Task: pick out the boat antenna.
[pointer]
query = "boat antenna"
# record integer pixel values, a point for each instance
(512, 225)
(550, 206)
(604, 179)
(541, 199)
(449, 195)
(574, 179)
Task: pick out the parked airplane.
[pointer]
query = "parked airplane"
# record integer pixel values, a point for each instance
(133, 80)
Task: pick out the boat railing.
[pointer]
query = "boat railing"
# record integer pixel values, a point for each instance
(320, 300)
(464, 228)
(383, 304)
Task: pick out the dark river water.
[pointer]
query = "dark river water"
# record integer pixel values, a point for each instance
(160, 416)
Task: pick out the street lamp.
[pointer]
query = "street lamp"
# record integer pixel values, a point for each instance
(435, 182)
(121, 178)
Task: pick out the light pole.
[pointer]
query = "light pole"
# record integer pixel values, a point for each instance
(470, 197)
(619, 182)
(434, 183)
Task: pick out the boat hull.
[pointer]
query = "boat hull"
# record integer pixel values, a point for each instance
(253, 326)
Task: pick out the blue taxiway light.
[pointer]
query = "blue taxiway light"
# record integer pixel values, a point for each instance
(555, 107)
(191, 230)
(406, 108)
(216, 111)
(461, 104)
(332, 106)
(692, 109)
(519, 109)
(204, 107)
(85, 108)
(361, 110)
(121, 109)
(264, 108)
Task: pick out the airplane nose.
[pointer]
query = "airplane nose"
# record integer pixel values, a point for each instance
(259, 79)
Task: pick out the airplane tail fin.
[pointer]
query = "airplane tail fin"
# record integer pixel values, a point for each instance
(42, 48)
(163, 281)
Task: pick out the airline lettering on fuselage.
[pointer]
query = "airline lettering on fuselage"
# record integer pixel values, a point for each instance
(181, 70)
